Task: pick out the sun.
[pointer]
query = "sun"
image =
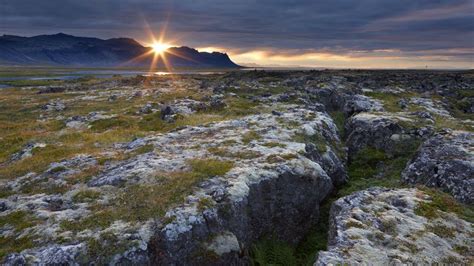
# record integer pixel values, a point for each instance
(160, 48)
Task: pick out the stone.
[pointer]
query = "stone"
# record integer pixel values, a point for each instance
(382, 131)
(445, 161)
(380, 226)
(360, 103)
(54, 106)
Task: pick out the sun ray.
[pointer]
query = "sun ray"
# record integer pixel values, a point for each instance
(138, 58)
(158, 50)
(180, 55)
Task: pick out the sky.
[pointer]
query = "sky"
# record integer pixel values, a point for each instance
(307, 33)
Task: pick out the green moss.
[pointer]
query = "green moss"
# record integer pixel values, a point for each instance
(390, 100)
(273, 252)
(339, 119)
(304, 253)
(10, 245)
(279, 158)
(444, 122)
(461, 250)
(389, 226)
(451, 260)
(152, 122)
(363, 168)
(40, 161)
(442, 230)
(84, 176)
(220, 151)
(19, 220)
(274, 144)
(42, 186)
(369, 162)
(9, 145)
(143, 149)
(250, 136)
(292, 124)
(443, 202)
(57, 169)
(413, 248)
(87, 195)
(237, 107)
(354, 224)
(99, 219)
(6, 192)
(205, 203)
(246, 154)
(142, 202)
(102, 249)
(210, 167)
(243, 154)
(229, 142)
(116, 122)
(317, 139)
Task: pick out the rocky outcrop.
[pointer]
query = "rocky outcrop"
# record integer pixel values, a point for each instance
(381, 227)
(360, 103)
(26, 152)
(445, 161)
(280, 168)
(336, 95)
(197, 169)
(432, 106)
(285, 204)
(385, 131)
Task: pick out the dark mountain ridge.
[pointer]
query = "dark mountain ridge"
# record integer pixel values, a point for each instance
(68, 50)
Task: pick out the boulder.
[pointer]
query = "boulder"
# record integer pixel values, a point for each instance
(388, 132)
(445, 161)
(361, 103)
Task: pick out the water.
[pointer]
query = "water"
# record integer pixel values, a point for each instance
(103, 74)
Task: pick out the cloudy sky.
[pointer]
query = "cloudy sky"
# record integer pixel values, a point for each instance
(316, 33)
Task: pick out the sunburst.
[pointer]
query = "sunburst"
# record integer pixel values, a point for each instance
(158, 50)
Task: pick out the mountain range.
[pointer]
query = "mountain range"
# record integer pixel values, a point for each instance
(67, 50)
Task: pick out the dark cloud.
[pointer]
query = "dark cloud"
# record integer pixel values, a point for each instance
(343, 25)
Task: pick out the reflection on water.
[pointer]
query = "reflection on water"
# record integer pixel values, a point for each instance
(161, 73)
(105, 74)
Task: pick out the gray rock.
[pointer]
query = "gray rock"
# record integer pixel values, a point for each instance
(26, 151)
(14, 259)
(112, 98)
(3, 206)
(54, 106)
(55, 202)
(381, 131)
(403, 103)
(280, 205)
(217, 102)
(50, 255)
(380, 227)
(445, 161)
(146, 109)
(360, 103)
(432, 106)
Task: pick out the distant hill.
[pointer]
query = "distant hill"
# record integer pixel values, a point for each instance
(67, 50)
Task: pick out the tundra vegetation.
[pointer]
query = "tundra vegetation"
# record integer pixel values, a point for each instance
(107, 164)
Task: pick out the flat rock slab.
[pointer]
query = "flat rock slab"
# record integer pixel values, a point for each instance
(380, 227)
